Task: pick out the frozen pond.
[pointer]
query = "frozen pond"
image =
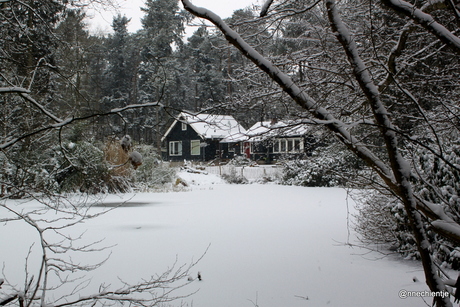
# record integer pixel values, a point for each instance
(267, 245)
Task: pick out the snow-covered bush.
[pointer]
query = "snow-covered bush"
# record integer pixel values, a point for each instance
(382, 219)
(438, 182)
(85, 169)
(27, 170)
(234, 177)
(241, 161)
(153, 171)
(327, 167)
(81, 167)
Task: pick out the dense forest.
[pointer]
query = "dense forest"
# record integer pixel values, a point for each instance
(378, 80)
(73, 72)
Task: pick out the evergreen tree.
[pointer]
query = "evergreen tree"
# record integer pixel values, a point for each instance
(164, 25)
(118, 72)
(204, 80)
(72, 58)
(159, 75)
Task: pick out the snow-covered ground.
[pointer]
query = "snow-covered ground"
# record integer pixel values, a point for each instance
(267, 246)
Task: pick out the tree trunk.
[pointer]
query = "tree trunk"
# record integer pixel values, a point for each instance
(397, 174)
(401, 168)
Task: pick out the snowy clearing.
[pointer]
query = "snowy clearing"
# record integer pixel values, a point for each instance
(269, 245)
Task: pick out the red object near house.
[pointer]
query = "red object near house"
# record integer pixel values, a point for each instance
(247, 149)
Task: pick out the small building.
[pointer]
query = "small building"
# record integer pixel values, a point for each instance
(269, 140)
(197, 137)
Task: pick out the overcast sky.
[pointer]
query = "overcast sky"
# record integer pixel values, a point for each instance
(102, 20)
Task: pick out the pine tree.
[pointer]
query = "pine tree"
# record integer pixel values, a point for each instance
(118, 73)
(164, 25)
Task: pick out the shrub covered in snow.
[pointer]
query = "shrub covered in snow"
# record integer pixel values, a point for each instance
(382, 219)
(241, 161)
(28, 169)
(329, 166)
(81, 166)
(233, 176)
(438, 182)
(153, 171)
(83, 169)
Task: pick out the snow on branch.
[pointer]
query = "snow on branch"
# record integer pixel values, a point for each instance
(440, 221)
(425, 20)
(265, 7)
(61, 123)
(136, 106)
(25, 94)
(13, 89)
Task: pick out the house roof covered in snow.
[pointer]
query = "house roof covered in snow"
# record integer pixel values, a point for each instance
(210, 126)
(269, 129)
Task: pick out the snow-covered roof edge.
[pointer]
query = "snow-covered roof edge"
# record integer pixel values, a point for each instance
(268, 129)
(209, 126)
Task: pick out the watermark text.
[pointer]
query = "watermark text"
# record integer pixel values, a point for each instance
(406, 293)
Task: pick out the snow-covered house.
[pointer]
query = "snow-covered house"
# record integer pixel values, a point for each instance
(197, 137)
(268, 140)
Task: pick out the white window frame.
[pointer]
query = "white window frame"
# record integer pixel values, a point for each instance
(184, 127)
(288, 145)
(195, 147)
(175, 148)
(283, 145)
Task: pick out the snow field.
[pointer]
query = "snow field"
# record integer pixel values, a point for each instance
(267, 245)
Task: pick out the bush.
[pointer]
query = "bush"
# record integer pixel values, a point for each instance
(241, 161)
(28, 169)
(85, 169)
(79, 167)
(153, 171)
(234, 177)
(327, 167)
(382, 219)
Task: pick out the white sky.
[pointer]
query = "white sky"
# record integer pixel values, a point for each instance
(102, 20)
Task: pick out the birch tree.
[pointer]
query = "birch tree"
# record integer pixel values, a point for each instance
(369, 124)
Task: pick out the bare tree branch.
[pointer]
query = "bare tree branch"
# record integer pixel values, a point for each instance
(427, 21)
(297, 94)
(399, 165)
(265, 8)
(59, 122)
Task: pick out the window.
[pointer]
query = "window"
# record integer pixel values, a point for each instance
(297, 143)
(282, 145)
(184, 127)
(288, 145)
(175, 148)
(195, 147)
(276, 146)
(255, 147)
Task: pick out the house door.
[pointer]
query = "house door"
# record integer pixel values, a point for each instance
(247, 149)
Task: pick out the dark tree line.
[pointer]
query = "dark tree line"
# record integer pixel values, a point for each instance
(63, 92)
(47, 48)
